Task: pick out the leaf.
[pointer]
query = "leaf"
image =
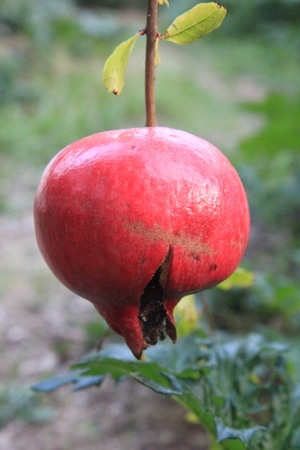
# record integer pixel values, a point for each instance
(241, 278)
(75, 376)
(185, 358)
(195, 23)
(115, 65)
(163, 2)
(245, 435)
(211, 379)
(187, 316)
(157, 57)
(151, 371)
(189, 401)
(86, 382)
(177, 390)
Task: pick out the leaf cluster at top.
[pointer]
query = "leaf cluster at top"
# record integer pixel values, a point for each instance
(185, 29)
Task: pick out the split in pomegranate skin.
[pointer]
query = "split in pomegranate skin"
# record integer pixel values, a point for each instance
(133, 220)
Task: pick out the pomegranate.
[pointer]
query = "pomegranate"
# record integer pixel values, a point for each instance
(133, 220)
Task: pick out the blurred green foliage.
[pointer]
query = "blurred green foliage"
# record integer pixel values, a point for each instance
(23, 404)
(244, 17)
(274, 155)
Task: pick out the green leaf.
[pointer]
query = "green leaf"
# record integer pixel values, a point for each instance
(175, 390)
(148, 373)
(195, 23)
(86, 382)
(115, 65)
(76, 377)
(189, 401)
(245, 435)
(213, 380)
(185, 358)
(241, 278)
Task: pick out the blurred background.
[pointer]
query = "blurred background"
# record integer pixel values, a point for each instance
(239, 88)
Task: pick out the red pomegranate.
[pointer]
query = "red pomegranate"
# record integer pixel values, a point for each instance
(133, 220)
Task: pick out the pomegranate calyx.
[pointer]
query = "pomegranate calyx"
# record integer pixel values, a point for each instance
(153, 317)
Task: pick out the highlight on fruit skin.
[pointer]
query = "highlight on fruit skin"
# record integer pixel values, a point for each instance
(135, 219)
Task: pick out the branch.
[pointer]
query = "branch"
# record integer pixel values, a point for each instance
(151, 33)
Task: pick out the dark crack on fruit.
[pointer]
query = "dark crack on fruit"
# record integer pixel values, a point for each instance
(153, 318)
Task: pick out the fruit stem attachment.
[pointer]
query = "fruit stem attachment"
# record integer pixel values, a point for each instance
(151, 35)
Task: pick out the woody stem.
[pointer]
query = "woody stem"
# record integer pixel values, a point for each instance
(151, 34)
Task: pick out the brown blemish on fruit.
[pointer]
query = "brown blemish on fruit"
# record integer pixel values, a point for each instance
(239, 242)
(84, 206)
(165, 268)
(193, 246)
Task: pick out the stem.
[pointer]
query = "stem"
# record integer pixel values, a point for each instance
(151, 34)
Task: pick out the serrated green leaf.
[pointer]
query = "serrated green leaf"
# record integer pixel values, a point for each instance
(156, 386)
(75, 377)
(118, 369)
(195, 23)
(115, 65)
(192, 404)
(86, 382)
(56, 382)
(241, 278)
(189, 354)
(244, 435)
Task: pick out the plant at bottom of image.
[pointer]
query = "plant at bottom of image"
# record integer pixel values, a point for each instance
(239, 388)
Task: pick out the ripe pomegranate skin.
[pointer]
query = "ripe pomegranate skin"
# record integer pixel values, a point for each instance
(115, 209)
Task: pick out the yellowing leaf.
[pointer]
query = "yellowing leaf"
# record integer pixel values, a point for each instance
(163, 2)
(115, 65)
(187, 316)
(191, 417)
(157, 57)
(195, 23)
(241, 278)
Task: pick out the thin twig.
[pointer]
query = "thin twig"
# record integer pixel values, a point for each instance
(102, 339)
